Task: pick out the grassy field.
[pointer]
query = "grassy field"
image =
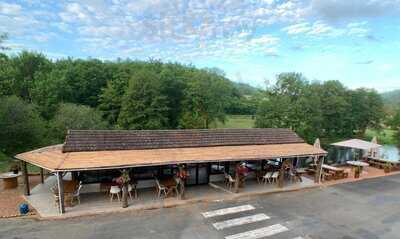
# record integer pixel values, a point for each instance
(236, 121)
(385, 136)
(6, 161)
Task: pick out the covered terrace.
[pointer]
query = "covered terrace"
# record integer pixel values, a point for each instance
(94, 157)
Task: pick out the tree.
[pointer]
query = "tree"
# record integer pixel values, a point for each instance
(207, 95)
(143, 105)
(7, 73)
(29, 67)
(21, 127)
(395, 124)
(3, 38)
(72, 116)
(319, 110)
(366, 110)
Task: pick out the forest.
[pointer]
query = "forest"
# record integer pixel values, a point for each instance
(42, 98)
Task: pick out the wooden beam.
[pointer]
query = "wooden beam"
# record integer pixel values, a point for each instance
(237, 178)
(318, 173)
(60, 184)
(41, 175)
(27, 190)
(282, 173)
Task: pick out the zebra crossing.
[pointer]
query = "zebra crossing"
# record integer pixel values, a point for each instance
(240, 220)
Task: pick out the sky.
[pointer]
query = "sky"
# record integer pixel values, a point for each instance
(354, 41)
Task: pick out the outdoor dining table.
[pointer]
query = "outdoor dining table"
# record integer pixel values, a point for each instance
(357, 164)
(300, 172)
(169, 183)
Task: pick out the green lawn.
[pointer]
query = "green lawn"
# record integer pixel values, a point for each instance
(236, 121)
(385, 136)
(6, 161)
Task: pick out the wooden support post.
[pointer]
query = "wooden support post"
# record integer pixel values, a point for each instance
(281, 174)
(318, 173)
(237, 178)
(41, 175)
(27, 190)
(60, 184)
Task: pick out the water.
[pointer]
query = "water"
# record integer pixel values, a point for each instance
(389, 152)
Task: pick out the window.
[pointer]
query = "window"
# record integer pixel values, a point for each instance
(217, 168)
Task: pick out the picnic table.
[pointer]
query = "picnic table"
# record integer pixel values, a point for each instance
(334, 172)
(380, 163)
(10, 180)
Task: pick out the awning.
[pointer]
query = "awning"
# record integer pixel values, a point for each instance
(53, 159)
(357, 144)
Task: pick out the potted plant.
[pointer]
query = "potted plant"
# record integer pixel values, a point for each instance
(14, 167)
(357, 172)
(387, 168)
(181, 175)
(124, 180)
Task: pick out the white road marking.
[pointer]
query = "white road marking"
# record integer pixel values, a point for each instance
(240, 221)
(226, 211)
(298, 238)
(259, 233)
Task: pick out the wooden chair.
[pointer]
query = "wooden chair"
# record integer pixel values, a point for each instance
(226, 179)
(161, 190)
(56, 196)
(76, 194)
(115, 190)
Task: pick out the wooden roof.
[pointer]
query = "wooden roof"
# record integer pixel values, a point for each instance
(53, 158)
(102, 140)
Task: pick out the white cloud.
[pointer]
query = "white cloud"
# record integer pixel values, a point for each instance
(297, 28)
(323, 29)
(9, 8)
(342, 10)
(265, 39)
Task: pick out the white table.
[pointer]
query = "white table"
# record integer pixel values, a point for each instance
(359, 165)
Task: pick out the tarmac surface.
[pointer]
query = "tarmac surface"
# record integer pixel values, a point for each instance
(365, 209)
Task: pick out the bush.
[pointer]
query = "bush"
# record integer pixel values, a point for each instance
(21, 127)
(72, 116)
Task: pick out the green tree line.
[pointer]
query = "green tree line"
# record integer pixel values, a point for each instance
(46, 98)
(325, 110)
(40, 99)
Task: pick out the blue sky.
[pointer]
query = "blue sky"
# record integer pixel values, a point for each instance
(354, 41)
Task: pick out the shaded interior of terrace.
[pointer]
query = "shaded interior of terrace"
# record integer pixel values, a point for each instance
(274, 160)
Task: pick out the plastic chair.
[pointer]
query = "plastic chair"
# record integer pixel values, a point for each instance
(160, 189)
(130, 189)
(231, 182)
(115, 190)
(275, 176)
(267, 177)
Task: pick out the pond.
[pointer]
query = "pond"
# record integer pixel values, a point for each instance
(390, 152)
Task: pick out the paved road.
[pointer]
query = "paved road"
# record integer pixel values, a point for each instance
(367, 209)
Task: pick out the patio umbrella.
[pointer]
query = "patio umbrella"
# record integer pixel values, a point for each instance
(374, 151)
(317, 143)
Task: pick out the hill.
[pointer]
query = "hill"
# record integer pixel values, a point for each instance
(391, 99)
(245, 89)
